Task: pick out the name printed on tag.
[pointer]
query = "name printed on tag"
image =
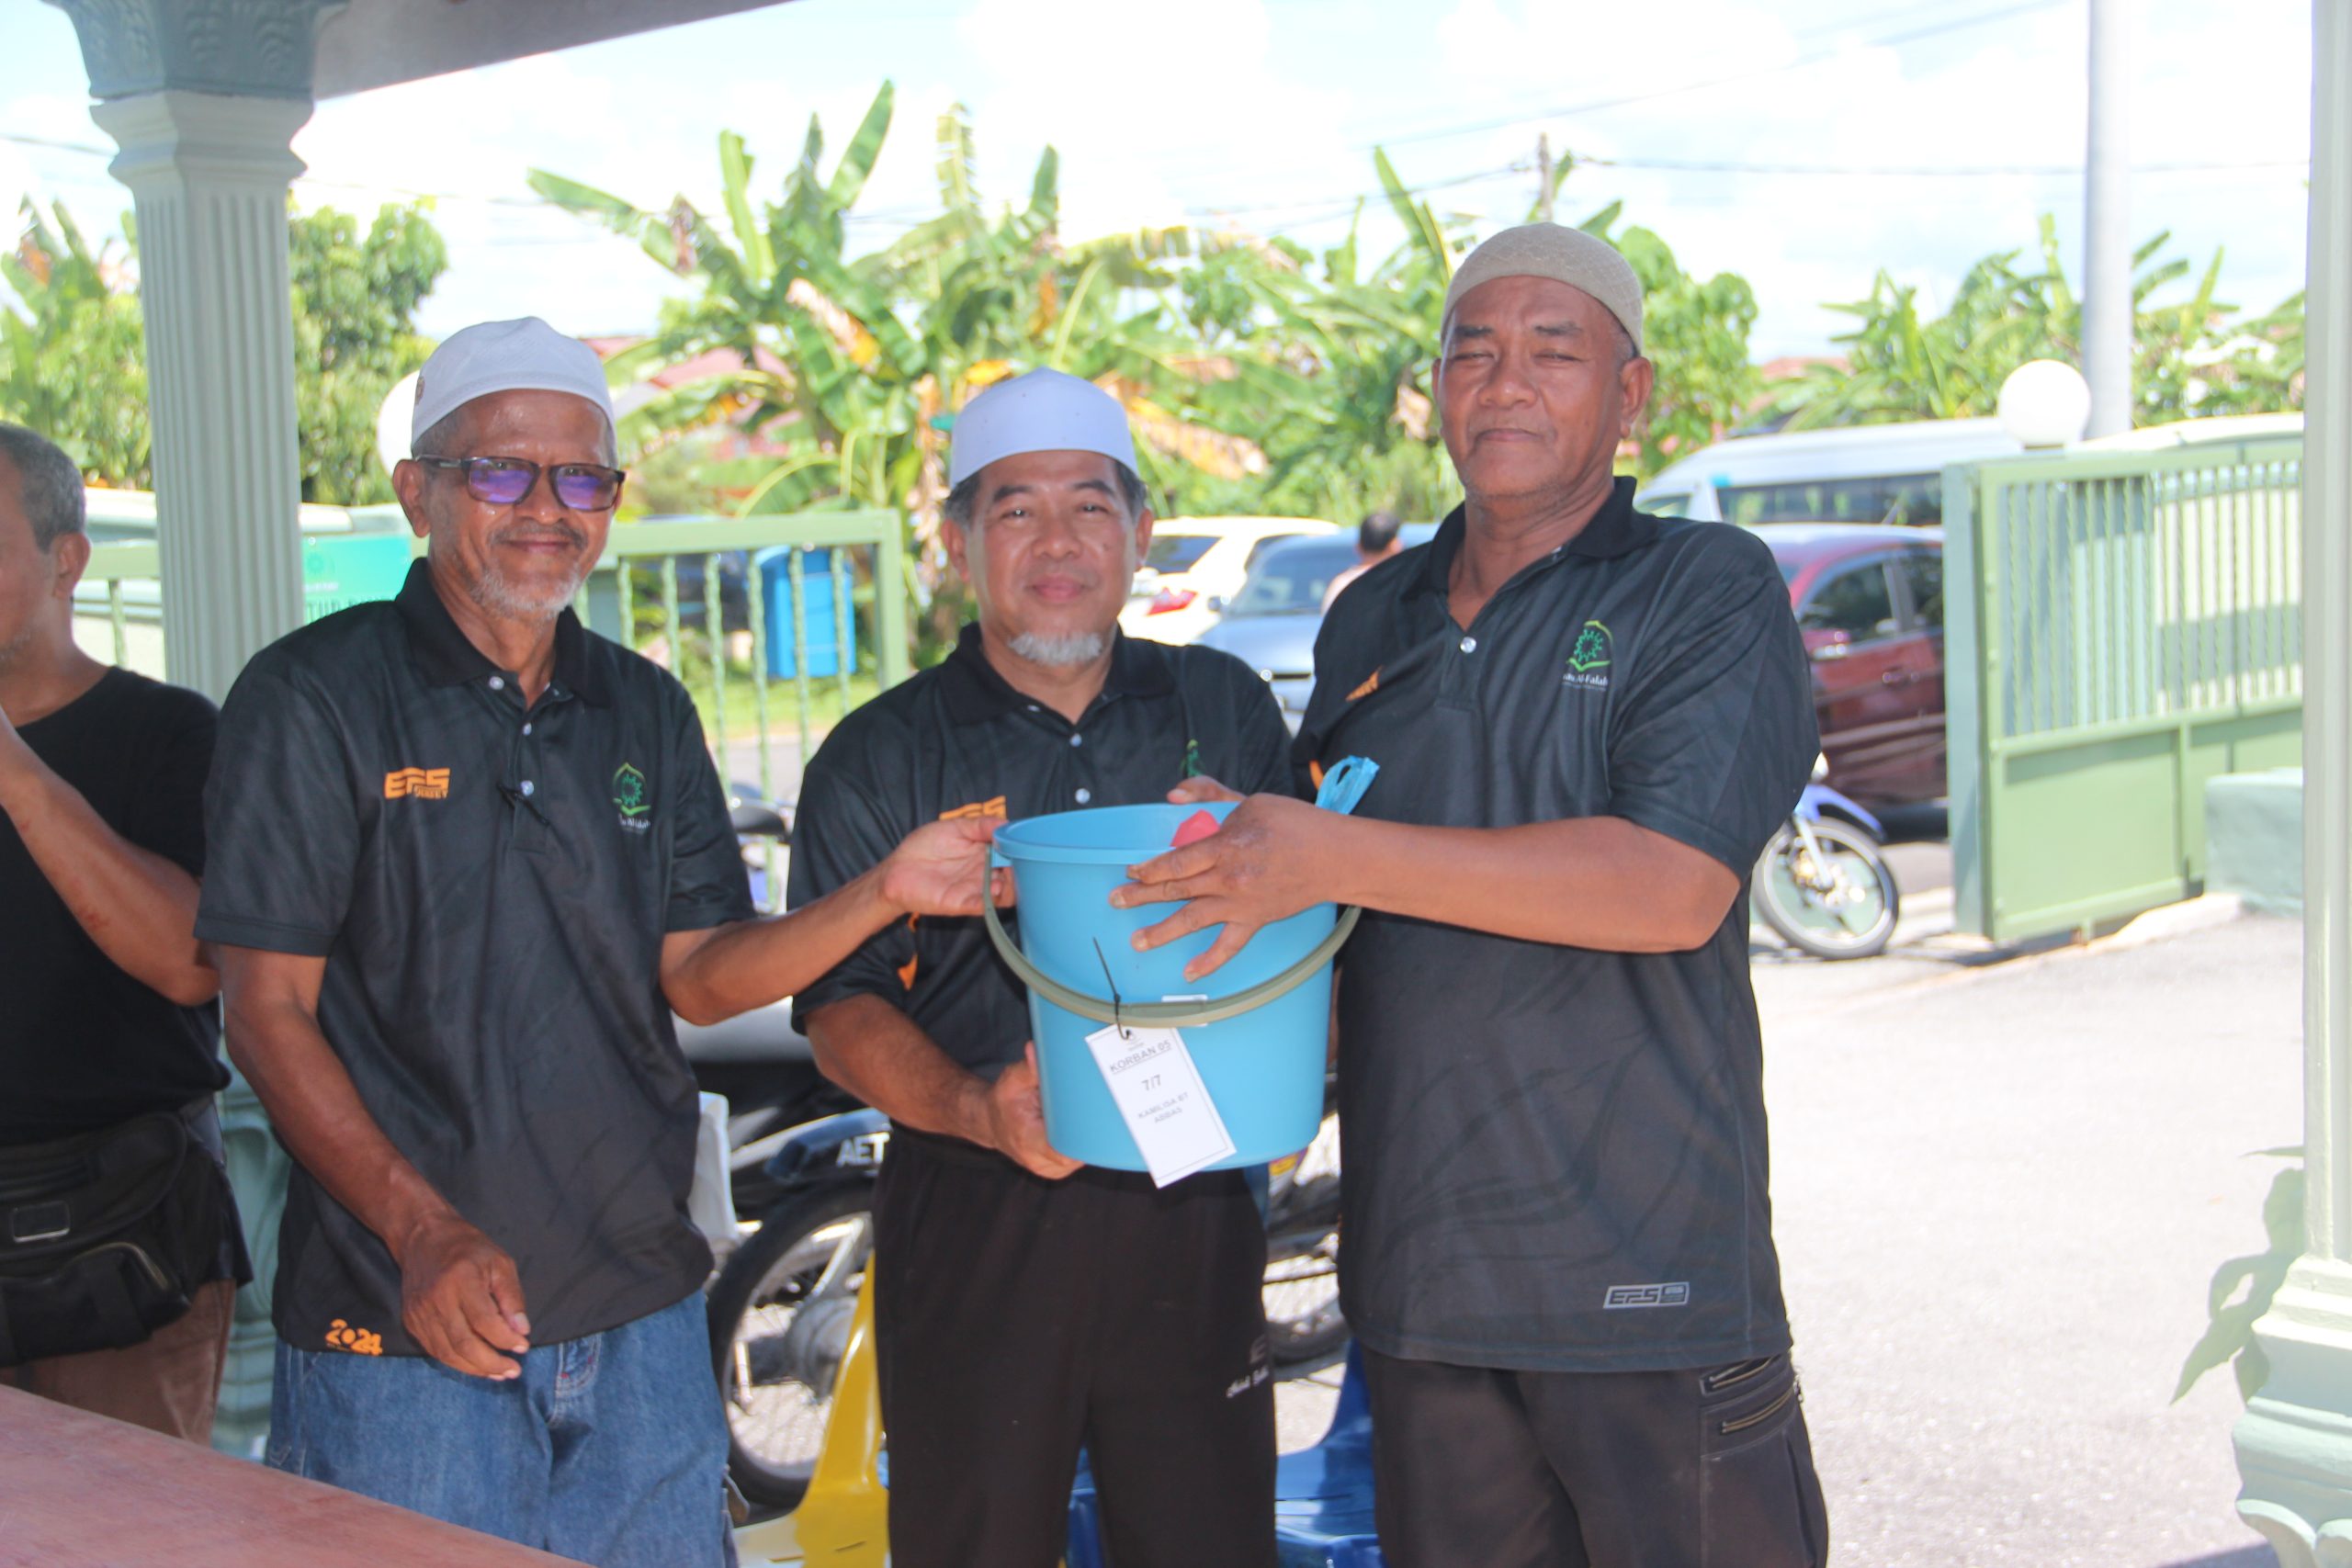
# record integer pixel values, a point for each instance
(1160, 1094)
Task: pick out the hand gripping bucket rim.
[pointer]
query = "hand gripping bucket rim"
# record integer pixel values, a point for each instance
(1163, 1015)
(1266, 1073)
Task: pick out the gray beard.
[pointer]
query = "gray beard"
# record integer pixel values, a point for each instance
(508, 603)
(1077, 647)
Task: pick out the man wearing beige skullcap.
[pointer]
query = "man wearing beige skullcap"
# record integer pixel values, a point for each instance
(1588, 723)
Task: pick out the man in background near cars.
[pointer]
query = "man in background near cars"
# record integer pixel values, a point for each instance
(107, 997)
(468, 859)
(1027, 1305)
(1376, 542)
(1587, 722)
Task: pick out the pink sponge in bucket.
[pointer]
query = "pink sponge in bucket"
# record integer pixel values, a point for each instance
(1195, 828)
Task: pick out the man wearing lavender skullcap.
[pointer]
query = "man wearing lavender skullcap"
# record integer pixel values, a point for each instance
(1025, 1305)
(1589, 723)
(467, 858)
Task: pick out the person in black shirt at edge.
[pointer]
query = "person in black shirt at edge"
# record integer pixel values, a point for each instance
(1027, 1305)
(108, 998)
(468, 859)
(1587, 722)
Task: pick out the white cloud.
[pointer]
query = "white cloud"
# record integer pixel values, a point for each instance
(1146, 106)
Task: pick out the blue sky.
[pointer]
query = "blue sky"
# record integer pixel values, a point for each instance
(1832, 139)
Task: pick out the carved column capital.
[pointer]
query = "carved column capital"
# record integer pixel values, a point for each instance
(242, 47)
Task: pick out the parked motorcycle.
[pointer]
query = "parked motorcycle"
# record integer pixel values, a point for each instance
(757, 1059)
(780, 1309)
(1822, 883)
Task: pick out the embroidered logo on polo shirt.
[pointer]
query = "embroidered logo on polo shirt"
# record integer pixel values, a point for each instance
(1589, 659)
(993, 806)
(632, 799)
(420, 783)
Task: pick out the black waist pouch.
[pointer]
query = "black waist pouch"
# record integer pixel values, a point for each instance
(104, 1235)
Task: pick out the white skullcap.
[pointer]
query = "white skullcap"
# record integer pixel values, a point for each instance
(522, 355)
(1565, 255)
(1045, 411)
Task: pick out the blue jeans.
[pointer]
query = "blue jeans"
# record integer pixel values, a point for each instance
(610, 1448)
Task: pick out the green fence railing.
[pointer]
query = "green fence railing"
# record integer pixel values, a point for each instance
(2122, 628)
(773, 646)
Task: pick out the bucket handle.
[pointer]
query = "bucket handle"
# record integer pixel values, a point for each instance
(1160, 1015)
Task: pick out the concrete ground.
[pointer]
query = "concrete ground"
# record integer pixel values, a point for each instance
(2001, 1187)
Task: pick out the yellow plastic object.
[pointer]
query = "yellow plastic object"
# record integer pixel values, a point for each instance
(844, 1520)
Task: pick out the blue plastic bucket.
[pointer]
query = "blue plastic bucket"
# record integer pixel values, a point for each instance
(1263, 1068)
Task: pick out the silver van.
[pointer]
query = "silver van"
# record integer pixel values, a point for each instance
(1858, 473)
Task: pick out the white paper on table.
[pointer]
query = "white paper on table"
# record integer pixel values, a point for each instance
(1159, 1090)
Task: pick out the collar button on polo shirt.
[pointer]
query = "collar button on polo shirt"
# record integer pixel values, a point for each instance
(489, 884)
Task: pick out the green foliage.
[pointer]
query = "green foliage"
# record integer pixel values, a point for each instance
(1259, 377)
(2229, 1335)
(2190, 359)
(73, 356)
(354, 335)
(852, 366)
(1695, 332)
(73, 365)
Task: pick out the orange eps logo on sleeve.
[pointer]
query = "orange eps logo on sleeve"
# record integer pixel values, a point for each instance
(424, 783)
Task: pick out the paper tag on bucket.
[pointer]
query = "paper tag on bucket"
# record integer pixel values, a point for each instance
(1160, 1092)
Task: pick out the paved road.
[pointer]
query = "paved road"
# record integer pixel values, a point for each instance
(2000, 1190)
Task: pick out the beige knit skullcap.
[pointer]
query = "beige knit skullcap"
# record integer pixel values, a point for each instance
(1567, 255)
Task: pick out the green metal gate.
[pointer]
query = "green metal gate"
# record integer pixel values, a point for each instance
(2122, 627)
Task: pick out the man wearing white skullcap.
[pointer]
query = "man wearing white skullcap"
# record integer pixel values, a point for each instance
(467, 858)
(1589, 723)
(1025, 1305)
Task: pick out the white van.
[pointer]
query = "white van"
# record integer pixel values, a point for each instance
(1855, 473)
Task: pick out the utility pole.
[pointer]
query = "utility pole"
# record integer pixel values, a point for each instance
(1544, 177)
(2107, 245)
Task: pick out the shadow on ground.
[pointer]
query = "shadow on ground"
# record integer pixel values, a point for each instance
(2244, 1557)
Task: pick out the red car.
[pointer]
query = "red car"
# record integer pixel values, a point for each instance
(1870, 601)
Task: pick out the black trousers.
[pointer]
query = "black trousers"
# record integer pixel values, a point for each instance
(1017, 1319)
(1480, 1468)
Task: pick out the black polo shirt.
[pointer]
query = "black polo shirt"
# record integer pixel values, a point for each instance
(490, 888)
(958, 740)
(1556, 1156)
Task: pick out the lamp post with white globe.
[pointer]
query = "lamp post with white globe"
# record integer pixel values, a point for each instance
(2045, 402)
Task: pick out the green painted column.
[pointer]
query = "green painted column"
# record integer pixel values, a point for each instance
(2294, 1443)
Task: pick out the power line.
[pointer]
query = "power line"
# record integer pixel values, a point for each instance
(1802, 63)
(1673, 165)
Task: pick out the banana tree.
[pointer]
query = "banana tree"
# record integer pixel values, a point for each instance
(852, 368)
(74, 363)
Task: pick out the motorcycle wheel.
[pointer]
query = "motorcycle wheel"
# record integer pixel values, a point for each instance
(1840, 904)
(1304, 1326)
(779, 1321)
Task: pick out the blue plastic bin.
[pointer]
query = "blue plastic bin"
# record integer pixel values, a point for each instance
(774, 567)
